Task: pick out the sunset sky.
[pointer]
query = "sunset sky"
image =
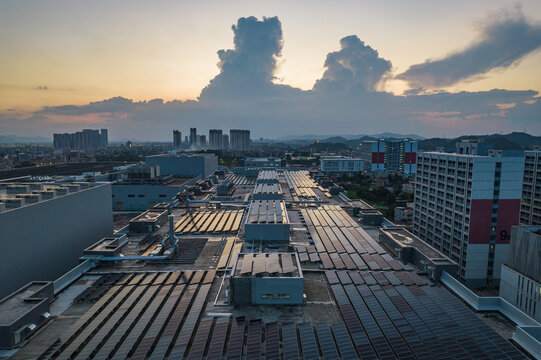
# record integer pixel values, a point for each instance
(66, 65)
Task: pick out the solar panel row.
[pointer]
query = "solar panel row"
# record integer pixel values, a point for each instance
(301, 185)
(342, 243)
(209, 221)
(240, 179)
(140, 317)
(414, 322)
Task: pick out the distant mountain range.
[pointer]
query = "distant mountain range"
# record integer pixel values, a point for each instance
(512, 141)
(326, 138)
(12, 139)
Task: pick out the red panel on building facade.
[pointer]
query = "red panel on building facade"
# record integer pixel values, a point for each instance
(508, 215)
(381, 158)
(410, 158)
(480, 219)
(374, 158)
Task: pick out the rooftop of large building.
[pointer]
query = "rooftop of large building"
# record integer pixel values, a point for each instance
(406, 239)
(361, 301)
(14, 195)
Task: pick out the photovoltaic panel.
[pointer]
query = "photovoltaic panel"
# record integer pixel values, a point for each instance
(115, 339)
(337, 261)
(87, 332)
(289, 337)
(308, 342)
(348, 262)
(92, 345)
(356, 278)
(272, 341)
(332, 278)
(253, 340)
(326, 342)
(287, 263)
(200, 340)
(217, 342)
(343, 341)
(326, 260)
(130, 341)
(368, 279)
(236, 339)
(361, 265)
(183, 339)
(168, 334)
(303, 257)
(246, 266)
(259, 261)
(344, 277)
(273, 264)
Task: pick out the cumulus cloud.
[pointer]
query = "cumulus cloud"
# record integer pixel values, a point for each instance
(504, 40)
(354, 67)
(249, 68)
(243, 95)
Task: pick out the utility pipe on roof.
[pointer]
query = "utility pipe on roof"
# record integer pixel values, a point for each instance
(141, 257)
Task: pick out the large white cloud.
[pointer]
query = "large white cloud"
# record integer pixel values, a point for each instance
(243, 95)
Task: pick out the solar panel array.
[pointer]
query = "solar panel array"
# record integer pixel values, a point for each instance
(240, 179)
(267, 212)
(267, 176)
(381, 322)
(209, 222)
(143, 315)
(413, 322)
(301, 185)
(340, 243)
(266, 264)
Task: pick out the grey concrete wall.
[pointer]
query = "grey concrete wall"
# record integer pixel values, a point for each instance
(44, 240)
(185, 165)
(267, 232)
(291, 286)
(521, 291)
(152, 194)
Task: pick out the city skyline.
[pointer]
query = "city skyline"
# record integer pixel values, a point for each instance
(364, 80)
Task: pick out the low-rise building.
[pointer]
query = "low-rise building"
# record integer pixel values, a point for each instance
(266, 279)
(263, 162)
(341, 164)
(409, 248)
(267, 221)
(402, 213)
(185, 165)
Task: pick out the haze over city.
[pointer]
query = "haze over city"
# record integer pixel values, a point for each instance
(282, 69)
